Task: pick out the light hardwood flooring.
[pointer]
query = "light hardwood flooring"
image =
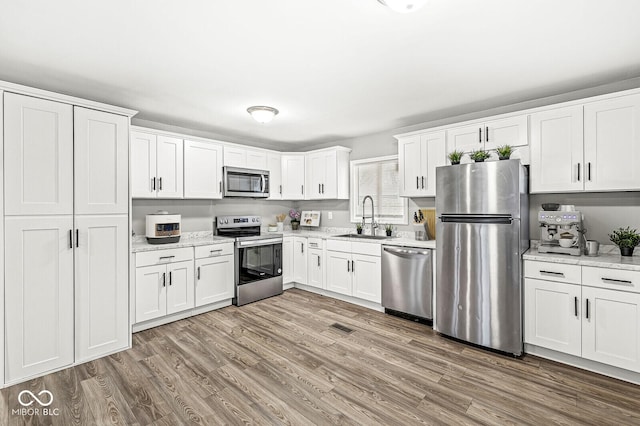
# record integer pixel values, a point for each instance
(279, 361)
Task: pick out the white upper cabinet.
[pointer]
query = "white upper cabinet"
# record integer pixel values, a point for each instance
(612, 144)
(101, 162)
(293, 176)
(418, 157)
(157, 166)
(237, 156)
(202, 170)
(38, 156)
(557, 150)
(490, 134)
(327, 174)
(274, 166)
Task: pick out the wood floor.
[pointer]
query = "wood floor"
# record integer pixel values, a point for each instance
(279, 361)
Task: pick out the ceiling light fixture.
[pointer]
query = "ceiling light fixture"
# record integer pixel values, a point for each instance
(403, 6)
(262, 114)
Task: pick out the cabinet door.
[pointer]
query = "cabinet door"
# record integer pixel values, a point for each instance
(293, 177)
(329, 183)
(557, 150)
(466, 138)
(151, 292)
(552, 317)
(180, 287)
(315, 175)
(101, 285)
(274, 165)
(339, 276)
(38, 156)
(214, 280)
(202, 170)
(39, 277)
(367, 277)
(169, 164)
(143, 165)
(506, 131)
(300, 250)
(287, 260)
(101, 162)
(410, 166)
(235, 156)
(611, 328)
(315, 268)
(256, 160)
(434, 154)
(612, 144)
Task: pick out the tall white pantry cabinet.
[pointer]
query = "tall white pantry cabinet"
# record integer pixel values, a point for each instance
(66, 231)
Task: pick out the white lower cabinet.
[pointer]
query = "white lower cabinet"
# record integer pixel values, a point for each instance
(287, 260)
(354, 269)
(315, 263)
(214, 274)
(596, 318)
(300, 260)
(179, 286)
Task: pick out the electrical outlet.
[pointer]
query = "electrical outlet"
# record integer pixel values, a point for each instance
(330, 215)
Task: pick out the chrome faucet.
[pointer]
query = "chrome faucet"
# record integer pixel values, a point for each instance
(373, 224)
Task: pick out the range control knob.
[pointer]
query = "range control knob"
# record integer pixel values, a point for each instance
(559, 219)
(226, 221)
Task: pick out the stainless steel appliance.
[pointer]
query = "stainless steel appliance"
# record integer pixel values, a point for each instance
(407, 280)
(249, 183)
(561, 232)
(483, 230)
(258, 258)
(163, 228)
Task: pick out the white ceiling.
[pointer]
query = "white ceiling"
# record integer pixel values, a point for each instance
(334, 68)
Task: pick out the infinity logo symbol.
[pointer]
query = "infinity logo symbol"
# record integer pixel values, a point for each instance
(35, 398)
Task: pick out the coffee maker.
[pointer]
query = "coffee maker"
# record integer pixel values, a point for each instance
(561, 232)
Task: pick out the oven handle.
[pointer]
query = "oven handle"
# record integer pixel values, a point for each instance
(257, 243)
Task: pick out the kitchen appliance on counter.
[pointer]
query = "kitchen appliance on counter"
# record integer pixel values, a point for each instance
(561, 232)
(483, 230)
(247, 183)
(163, 227)
(407, 281)
(258, 258)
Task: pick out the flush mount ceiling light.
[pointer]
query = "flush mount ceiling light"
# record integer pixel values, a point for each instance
(403, 6)
(262, 114)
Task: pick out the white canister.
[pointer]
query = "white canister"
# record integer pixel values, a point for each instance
(280, 226)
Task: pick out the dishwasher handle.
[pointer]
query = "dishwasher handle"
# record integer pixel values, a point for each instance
(406, 252)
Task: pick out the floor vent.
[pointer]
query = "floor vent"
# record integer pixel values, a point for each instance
(341, 327)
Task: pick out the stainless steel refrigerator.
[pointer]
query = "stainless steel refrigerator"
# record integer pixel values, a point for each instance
(482, 231)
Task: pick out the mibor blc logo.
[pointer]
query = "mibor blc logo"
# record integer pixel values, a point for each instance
(35, 405)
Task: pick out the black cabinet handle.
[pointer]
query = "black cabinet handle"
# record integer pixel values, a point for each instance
(164, 279)
(70, 238)
(302, 189)
(318, 261)
(153, 183)
(221, 187)
(319, 189)
(280, 189)
(578, 172)
(348, 266)
(301, 247)
(575, 305)
(170, 278)
(323, 188)
(353, 266)
(159, 184)
(422, 182)
(77, 238)
(417, 182)
(486, 133)
(480, 135)
(589, 171)
(198, 272)
(587, 309)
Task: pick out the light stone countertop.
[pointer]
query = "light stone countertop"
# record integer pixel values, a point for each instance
(188, 239)
(608, 257)
(401, 240)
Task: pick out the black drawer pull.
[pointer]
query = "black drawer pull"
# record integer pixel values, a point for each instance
(615, 281)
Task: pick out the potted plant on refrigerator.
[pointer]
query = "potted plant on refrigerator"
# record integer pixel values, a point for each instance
(455, 156)
(504, 152)
(626, 239)
(479, 156)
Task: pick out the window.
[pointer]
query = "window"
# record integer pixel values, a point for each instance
(379, 178)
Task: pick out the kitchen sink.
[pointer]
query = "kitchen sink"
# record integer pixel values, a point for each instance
(363, 236)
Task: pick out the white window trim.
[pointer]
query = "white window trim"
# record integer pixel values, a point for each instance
(354, 193)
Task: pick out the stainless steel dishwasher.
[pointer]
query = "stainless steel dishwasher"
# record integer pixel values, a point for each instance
(407, 281)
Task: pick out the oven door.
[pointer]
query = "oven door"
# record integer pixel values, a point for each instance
(258, 260)
(246, 182)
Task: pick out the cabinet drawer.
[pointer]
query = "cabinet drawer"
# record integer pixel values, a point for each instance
(214, 250)
(147, 258)
(339, 245)
(314, 243)
(372, 249)
(553, 271)
(615, 279)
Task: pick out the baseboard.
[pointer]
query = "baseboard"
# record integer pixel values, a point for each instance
(179, 315)
(349, 299)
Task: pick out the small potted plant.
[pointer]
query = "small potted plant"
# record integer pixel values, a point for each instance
(388, 229)
(626, 239)
(359, 228)
(504, 152)
(479, 156)
(455, 156)
(295, 219)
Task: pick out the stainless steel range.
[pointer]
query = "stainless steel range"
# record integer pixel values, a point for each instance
(258, 258)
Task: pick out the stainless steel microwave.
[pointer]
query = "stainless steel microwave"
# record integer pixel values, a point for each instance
(249, 183)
